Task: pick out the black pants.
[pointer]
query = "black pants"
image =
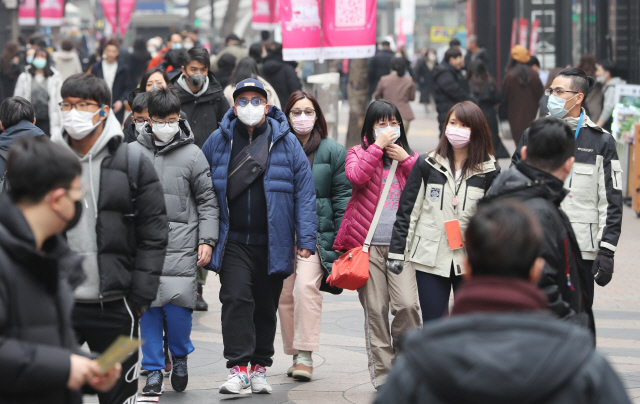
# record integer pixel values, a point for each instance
(99, 326)
(434, 292)
(586, 269)
(249, 297)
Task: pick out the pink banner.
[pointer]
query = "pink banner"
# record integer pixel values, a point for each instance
(535, 29)
(523, 31)
(266, 15)
(349, 29)
(301, 34)
(51, 12)
(125, 7)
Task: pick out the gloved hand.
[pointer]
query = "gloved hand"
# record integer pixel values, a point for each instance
(603, 267)
(395, 266)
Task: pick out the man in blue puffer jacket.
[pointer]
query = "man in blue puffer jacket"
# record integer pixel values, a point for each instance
(261, 230)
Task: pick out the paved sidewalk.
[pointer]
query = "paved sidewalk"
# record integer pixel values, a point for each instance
(340, 367)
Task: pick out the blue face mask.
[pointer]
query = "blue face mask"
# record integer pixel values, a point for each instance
(39, 63)
(380, 130)
(555, 105)
(176, 46)
(29, 59)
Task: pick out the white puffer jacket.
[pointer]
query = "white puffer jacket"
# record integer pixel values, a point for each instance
(54, 83)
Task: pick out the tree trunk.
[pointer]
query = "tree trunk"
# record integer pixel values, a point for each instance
(230, 18)
(358, 97)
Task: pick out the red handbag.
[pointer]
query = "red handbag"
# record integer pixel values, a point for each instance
(351, 270)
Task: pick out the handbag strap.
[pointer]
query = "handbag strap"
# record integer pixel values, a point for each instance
(381, 202)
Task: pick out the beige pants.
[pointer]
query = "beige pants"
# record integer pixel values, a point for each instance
(382, 291)
(300, 306)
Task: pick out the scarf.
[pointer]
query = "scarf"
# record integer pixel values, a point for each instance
(312, 145)
(586, 122)
(498, 294)
(182, 82)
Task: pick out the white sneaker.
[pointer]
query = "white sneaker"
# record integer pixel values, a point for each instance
(237, 383)
(259, 384)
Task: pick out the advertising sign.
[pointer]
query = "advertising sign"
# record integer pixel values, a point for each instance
(440, 33)
(51, 12)
(523, 31)
(126, 7)
(266, 15)
(301, 29)
(349, 29)
(535, 29)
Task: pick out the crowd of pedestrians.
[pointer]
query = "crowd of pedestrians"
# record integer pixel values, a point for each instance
(124, 185)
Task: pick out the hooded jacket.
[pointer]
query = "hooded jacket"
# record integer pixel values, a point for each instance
(563, 281)
(364, 169)
(487, 356)
(123, 231)
(594, 206)
(54, 84)
(205, 111)
(450, 89)
(282, 76)
(192, 212)
(288, 184)
(67, 63)
(22, 128)
(36, 335)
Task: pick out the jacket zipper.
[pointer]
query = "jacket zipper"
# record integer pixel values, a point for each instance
(591, 231)
(239, 167)
(416, 249)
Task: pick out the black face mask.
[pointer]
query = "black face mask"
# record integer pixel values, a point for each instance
(75, 219)
(197, 81)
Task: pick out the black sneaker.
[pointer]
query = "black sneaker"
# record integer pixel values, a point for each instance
(179, 375)
(201, 305)
(155, 385)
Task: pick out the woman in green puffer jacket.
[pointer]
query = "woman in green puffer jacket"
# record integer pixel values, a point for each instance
(300, 304)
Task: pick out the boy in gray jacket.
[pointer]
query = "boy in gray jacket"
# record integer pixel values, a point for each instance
(193, 213)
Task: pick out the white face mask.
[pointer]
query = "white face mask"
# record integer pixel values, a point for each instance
(166, 132)
(78, 124)
(250, 115)
(140, 127)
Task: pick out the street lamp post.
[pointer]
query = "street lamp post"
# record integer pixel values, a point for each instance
(38, 16)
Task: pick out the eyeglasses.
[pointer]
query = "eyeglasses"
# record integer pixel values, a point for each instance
(255, 101)
(173, 123)
(139, 120)
(558, 91)
(298, 112)
(82, 190)
(81, 106)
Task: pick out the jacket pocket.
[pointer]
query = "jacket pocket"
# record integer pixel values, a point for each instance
(585, 225)
(616, 174)
(582, 181)
(424, 247)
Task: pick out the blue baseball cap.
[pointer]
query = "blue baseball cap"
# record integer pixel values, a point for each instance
(249, 85)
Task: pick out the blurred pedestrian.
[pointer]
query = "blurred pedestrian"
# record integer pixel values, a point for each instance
(168, 142)
(17, 118)
(424, 75)
(451, 87)
(500, 345)
(440, 197)
(280, 74)
(399, 89)
(10, 68)
(486, 91)
(593, 104)
(174, 59)
(300, 306)
(607, 75)
(248, 69)
(174, 41)
(544, 100)
(475, 53)
(38, 272)
(40, 85)
(258, 52)
(138, 59)
(521, 91)
(66, 60)
(232, 46)
(534, 63)
(122, 232)
(116, 74)
(379, 65)
(200, 94)
(226, 65)
(383, 155)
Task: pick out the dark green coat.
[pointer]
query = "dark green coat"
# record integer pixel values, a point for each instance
(333, 191)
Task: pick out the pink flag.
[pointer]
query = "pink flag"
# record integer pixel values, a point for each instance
(51, 12)
(301, 34)
(535, 29)
(524, 31)
(349, 29)
(126, 7)
(266, 15)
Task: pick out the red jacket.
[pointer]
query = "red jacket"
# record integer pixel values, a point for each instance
(364, 171)
(159, 58)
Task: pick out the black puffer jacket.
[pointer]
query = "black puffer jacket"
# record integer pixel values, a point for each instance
(36, 338)
(205, 112)
(563, 281)
(450, 89)
(282, 76)
(502, 358)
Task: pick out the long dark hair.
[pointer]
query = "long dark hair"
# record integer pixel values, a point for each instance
(480, 147)
(247, 68)
(380, 110)
(478, 76)
(47, 69)
(8, 53)
(399, 65)
(148, 73)
(521, 69)
(321, 124)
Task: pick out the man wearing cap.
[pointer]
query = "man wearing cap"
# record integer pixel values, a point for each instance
(267, 215)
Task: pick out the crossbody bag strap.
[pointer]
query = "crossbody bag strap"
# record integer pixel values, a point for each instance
(381, 202)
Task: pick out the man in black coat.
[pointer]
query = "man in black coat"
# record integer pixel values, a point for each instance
(379, 65)
(115, 72)
(499, 346)
(201, 95)
(280, 74)
(17, 119)
(538, 181)
(41, 359)
(451, 86)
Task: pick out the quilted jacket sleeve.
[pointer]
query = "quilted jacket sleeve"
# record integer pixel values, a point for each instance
(304, 198)
(206, 201)
(361, 164)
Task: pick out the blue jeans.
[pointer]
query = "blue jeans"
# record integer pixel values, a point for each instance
(433, 292)
(178, 333)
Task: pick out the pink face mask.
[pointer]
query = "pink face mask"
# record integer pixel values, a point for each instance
(302, 125)
(458, 137)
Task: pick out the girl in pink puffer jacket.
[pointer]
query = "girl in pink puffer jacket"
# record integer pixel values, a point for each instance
(367, 167)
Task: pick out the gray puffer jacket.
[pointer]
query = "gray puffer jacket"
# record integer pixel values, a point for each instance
(192, 212)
